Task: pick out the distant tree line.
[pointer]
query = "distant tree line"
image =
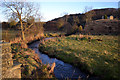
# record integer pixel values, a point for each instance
(13, 25)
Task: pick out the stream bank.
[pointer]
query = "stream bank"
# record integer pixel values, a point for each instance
(62, 69)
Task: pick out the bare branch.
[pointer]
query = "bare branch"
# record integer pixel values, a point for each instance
(8, 6)
(28, 27)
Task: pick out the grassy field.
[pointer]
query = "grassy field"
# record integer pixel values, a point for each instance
(95, 54)
(10, 34)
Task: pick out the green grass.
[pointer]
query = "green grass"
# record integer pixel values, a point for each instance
(97, 57)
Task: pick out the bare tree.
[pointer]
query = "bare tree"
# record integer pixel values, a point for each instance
(89, 16)
(63, 14)
(89, 13)
(21, 11)
(87, 8)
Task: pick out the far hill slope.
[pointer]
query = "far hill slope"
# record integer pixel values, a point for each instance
(102, 26)
(63, 23)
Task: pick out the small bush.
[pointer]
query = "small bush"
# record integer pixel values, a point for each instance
(105, 16)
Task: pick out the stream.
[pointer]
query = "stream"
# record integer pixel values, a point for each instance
(62, 69)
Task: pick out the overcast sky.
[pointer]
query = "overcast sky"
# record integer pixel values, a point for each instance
(51, 9)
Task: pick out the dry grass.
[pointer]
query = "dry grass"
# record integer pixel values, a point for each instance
(32, 66)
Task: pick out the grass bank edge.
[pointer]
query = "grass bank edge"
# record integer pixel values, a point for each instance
(32, 66)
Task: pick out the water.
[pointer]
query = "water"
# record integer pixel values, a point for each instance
(61, 70)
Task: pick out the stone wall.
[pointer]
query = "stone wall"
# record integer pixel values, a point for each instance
(8, 68)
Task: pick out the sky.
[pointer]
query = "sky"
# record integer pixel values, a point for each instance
(54, 9)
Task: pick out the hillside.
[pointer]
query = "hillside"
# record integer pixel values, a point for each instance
(71, 21)
(102, 26)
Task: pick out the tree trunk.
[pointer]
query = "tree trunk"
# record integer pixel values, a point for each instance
(23, 34)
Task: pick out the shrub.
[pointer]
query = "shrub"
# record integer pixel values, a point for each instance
(105, 16)
(80, 28)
